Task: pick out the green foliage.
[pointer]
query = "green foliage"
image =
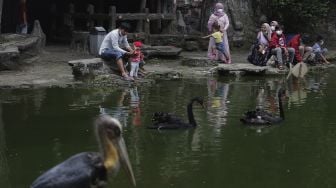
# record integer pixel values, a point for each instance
(297, 15)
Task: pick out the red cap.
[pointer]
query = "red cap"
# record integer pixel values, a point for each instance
(137, 43)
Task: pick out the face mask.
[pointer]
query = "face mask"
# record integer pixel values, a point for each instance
(279, 32)
(272, 28)
(322, 42)
(220, 11)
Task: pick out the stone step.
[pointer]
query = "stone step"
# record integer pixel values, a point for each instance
(157, 51)
(8, 56)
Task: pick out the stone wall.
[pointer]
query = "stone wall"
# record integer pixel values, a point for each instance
(243, 27)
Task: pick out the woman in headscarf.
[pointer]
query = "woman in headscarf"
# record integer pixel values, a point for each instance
(219, 17)
(260, 51)
(264, 35)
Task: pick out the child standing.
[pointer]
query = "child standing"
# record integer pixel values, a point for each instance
(218, 36)
(22, 27)
(136, 58)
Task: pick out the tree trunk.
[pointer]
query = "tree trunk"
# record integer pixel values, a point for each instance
(1, 3)
(205, 13)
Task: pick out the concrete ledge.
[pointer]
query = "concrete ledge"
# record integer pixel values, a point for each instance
(157, 51)
(8, 57)
(246, 69)
(198, 62)
(249, 69)
(11, 51)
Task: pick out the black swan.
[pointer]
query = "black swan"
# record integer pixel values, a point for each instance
(163, 120)
(91, 169)
(261, 117)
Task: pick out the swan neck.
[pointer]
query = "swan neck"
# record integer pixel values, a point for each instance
(282, 114)
(191, 114)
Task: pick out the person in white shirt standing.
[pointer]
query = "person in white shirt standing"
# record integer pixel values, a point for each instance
(113, 47)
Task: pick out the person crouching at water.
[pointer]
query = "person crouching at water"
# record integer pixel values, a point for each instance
(218, 37)
(111, 47)
(319, 51)
(136, 58)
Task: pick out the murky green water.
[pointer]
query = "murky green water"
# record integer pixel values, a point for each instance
(40, 128)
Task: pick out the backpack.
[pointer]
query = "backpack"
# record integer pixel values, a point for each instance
(256, 57)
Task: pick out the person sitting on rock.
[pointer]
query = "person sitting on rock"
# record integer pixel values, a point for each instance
(111, 47)
(273, 24)
(279, 49)
(302, 51)
(260, 50)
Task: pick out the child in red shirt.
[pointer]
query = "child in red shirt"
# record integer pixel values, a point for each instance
(136, 58)
(279, 48)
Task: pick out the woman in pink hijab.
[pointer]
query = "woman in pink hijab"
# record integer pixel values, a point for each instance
(221, 18)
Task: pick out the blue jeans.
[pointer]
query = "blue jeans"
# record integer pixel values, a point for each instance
(220, 47)
(109, 54)
(279, 52)
(22, 29)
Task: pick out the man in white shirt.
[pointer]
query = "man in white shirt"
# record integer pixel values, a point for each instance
(112, 47)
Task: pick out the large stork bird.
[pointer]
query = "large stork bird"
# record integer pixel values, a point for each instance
(91, 169)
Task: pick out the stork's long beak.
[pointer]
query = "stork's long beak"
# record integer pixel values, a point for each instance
(109, 131)
(124, 160)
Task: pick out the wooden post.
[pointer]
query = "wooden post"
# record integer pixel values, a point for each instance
(90, 21)
(113, 17)
(147, 26)
(53, 18)
(71, 17)
(171, 28)
(159, 11)
(140, 22)
(1, 4)
(100, 9)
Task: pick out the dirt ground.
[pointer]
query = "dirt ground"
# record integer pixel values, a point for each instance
(51, 68)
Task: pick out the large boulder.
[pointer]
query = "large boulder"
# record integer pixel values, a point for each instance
(89, 67)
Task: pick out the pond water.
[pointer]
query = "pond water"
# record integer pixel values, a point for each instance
(42, 127)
